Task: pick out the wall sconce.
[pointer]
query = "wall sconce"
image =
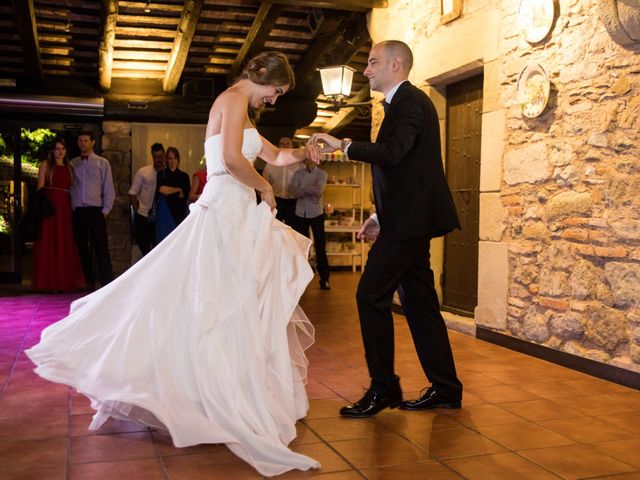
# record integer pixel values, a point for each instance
(336, 86)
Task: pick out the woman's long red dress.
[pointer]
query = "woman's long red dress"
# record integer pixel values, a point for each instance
(56, 264)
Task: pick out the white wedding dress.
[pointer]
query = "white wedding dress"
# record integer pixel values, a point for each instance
(203, 336)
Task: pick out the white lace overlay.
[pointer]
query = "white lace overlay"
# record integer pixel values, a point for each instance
(203, 337)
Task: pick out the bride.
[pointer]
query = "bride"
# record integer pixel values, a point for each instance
(203, 337)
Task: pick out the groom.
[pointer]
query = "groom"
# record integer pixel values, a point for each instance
(414, 205)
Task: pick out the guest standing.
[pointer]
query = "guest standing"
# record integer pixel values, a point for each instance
(171, 194)
(92, 197)
(141, 196)
(307, 186)
(56, 264)
(198, 181)
(280, 179)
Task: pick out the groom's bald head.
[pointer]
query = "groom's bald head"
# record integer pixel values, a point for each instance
(399, 50)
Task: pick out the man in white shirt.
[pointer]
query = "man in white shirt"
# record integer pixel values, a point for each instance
(280, 179)
(141, 196)
(92, 197)
(307, 186)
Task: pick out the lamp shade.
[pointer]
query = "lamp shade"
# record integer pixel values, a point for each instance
(336, 81)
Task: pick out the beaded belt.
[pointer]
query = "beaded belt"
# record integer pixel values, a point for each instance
(217, 174)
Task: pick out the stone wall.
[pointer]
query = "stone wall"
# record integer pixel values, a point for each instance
(116, 147)
(570, 190)
(559, 251)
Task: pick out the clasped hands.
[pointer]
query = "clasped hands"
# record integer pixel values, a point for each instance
(320, 143)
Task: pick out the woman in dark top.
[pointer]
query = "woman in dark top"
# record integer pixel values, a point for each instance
(172, 192)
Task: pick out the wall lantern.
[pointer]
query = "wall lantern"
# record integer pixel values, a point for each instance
(336, 86)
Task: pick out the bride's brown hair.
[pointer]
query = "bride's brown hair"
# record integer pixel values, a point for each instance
(269, 68)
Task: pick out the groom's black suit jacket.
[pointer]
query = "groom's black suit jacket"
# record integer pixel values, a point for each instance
(411, 192)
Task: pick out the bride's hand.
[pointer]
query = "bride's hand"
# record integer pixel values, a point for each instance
(313, 151)
(268, 197)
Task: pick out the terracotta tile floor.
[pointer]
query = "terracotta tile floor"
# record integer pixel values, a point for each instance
(522, 417)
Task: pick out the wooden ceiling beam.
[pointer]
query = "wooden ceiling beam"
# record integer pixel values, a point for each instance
(257, 37)
(348, 5)
(154, 7)
(105, 50)
(339, 39)
(27, 29)
(186, 30)
(330, 30)
(345, 116)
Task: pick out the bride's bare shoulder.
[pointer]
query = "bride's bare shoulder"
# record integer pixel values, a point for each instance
(231, 97)
(228, 102)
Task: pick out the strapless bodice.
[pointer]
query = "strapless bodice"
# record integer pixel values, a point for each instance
(251, 148)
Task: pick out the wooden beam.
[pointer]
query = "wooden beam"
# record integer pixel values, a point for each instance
(28, 31)
(256, 38)
(345, 116)
(154, 7)
(349, 5)
(105, 61)
(338, 38)
(328, 33)
(184, 36)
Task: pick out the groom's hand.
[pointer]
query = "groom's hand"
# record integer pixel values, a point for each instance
(326, 142)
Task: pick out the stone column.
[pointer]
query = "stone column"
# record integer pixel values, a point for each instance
(116, 147)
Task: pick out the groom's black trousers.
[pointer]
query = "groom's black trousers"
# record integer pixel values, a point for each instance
(403, 265)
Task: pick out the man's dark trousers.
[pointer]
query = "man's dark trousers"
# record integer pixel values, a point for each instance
(316, 224)
(90, 226)
(403, 265)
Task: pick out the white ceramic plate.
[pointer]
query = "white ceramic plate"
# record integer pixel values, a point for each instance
(535, 18)
(533, 90)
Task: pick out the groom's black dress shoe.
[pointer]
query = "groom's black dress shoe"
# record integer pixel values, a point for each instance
(431, 399)
(372, 403)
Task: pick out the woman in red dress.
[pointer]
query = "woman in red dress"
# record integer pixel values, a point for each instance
(56, 264)
(198, 181)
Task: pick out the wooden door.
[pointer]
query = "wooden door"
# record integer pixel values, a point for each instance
(464, 127)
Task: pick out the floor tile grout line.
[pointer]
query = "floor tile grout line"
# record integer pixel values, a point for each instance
(544, 467)
(357, 470)
(435, 459)
(609, 477)
(159, 455)
(21, 346)
(519, 453)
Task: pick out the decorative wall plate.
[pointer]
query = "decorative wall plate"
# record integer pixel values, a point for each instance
(535, 18)
(533, 90)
